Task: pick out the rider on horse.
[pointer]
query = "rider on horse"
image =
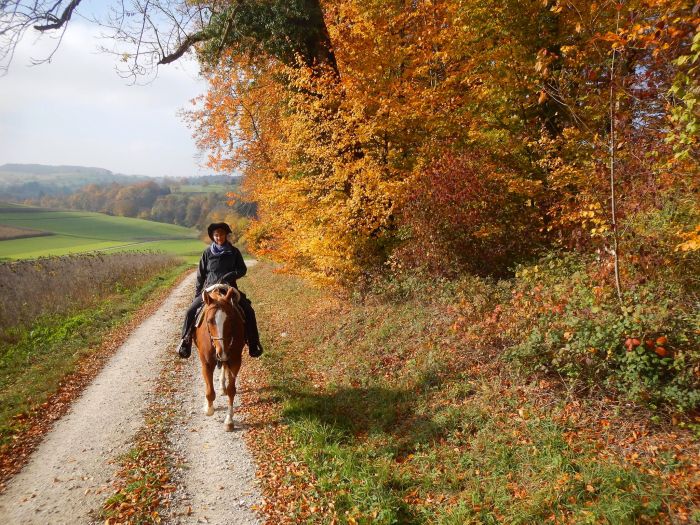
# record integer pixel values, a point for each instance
(220, 261)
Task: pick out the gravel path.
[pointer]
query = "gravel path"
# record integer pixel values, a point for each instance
(68, 476)
(216, 483)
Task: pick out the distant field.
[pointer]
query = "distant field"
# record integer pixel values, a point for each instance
(12, 232)
(211, 188)
(75, 232)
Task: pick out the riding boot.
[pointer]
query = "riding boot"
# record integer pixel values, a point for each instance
(185, 348)
(255, 349)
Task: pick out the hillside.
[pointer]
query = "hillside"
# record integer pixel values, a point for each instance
(74, 232)
(407, 409)
(26, 181)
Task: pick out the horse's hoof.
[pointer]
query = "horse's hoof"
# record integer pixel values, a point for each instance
(209, 411)
(229, 427)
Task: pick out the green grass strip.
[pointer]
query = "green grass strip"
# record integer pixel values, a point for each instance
(33, 364)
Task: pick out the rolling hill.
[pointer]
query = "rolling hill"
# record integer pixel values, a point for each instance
(73, 231)
(27, 181)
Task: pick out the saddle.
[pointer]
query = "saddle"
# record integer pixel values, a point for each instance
(222, 289)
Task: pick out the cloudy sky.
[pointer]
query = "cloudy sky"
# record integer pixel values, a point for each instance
(77, 110)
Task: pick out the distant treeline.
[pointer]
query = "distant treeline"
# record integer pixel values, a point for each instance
(153, 201)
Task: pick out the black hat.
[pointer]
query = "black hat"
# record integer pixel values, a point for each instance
(217, 226)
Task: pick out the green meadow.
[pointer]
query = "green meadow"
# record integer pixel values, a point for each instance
(79, 231)
(210, 188)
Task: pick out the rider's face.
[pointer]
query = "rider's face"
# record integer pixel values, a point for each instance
(219, 236)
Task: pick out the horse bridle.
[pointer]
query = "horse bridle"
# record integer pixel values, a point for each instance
(220, 284)
(211, 337)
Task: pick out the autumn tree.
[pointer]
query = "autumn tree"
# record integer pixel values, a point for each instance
(350, 118)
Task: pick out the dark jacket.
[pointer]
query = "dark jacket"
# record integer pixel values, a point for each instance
(213, 267)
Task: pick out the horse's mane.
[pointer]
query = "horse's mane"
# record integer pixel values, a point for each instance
(221, 291)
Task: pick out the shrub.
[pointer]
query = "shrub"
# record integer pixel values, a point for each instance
(565, 318)
(468, 213)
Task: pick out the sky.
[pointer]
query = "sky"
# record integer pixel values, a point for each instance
(77, 110)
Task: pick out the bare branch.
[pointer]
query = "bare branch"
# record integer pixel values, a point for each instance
(143, 34)
(184, 46)
(58, 22)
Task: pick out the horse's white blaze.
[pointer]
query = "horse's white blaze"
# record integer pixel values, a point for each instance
(220, 319)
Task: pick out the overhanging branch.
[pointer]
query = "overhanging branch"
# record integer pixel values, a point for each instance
(201, 36)
(56, 22)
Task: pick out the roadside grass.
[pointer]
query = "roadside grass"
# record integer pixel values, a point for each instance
(60, 285)
(34, 360)
(387, 415)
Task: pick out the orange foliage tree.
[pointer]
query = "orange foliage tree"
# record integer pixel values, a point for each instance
(352, 160)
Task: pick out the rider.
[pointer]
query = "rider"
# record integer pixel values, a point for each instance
(218, 260)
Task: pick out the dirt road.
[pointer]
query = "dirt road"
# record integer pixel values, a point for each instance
(68, 477)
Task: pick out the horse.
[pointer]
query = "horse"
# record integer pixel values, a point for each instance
(219, 338)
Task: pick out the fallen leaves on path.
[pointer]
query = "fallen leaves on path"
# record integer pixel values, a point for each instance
(144, 478)
(595, 429)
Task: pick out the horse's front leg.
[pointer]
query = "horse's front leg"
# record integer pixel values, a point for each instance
(223, 378)
(232, 373)
(208, 374)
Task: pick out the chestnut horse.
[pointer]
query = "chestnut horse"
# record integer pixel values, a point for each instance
(220, 338)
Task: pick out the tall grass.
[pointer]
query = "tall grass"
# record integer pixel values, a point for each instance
(58, 285)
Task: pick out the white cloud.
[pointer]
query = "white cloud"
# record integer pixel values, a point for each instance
(78, 110)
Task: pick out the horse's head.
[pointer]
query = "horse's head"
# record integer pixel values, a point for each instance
(219, 318)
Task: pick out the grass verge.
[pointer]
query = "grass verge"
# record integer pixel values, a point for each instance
(49, 363)
(383, 413)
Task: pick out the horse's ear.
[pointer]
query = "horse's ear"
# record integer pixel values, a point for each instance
(207, 298)
(229, 294)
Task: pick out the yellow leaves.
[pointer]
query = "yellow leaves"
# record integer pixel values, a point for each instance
(524, 187)
(329, 163)
(544, 59)
(692, 241)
